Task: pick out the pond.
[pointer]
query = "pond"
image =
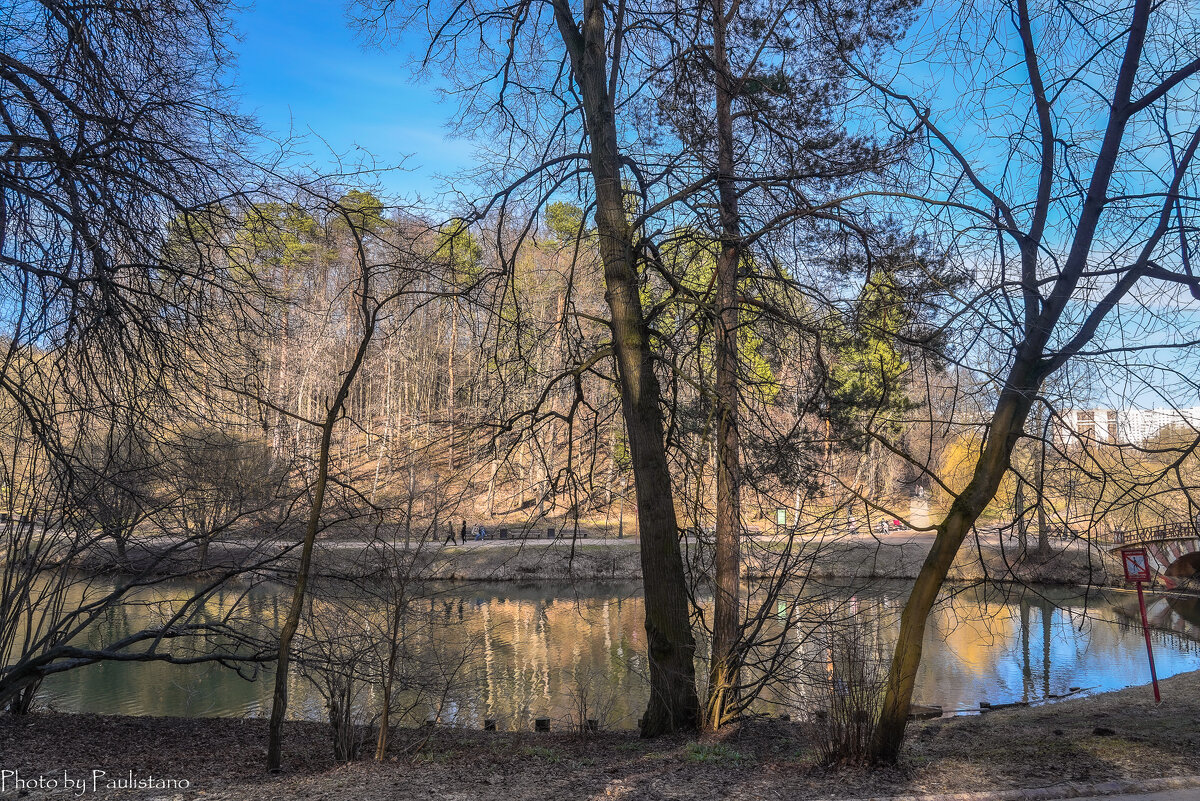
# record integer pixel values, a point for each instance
(514, 653)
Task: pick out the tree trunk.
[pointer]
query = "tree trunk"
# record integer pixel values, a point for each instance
(292, 622)
(673, 705)
(491, 487)
(1007, 424)
(1039, 488)
(20, 698)
(450, 411)
(1032, 362)
(725, 664)
(381, 742)
(1021, 523)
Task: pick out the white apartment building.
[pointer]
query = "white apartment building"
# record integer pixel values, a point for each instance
(1089, 425)
(1126, 426)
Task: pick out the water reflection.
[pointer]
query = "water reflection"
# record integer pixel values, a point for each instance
(1045, 642)
(557, 650)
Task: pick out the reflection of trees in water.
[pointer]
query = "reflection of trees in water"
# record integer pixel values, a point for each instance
(1005, 644)
(1188, 611)
(1046, 615)
(542, 656)
(1033, 635)
(1171, 618)
(1175, 619)
(510, 654)
(155, 688)
(533, 652)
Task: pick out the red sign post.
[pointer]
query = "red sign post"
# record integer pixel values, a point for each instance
(1137, 569)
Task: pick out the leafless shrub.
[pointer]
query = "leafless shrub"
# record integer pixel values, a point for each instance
(845, 684)
(593, 700)
(340, 660)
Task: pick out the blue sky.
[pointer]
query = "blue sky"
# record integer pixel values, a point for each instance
(301, 69)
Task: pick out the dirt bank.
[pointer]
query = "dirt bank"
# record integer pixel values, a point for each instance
(897, 556)
(894, 557)
(1118, 736)
(901, 557)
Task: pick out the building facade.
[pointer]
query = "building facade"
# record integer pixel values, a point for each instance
(1121, 426)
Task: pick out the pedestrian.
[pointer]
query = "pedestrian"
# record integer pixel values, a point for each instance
(463, 533)
(481, 534)
(450, 535)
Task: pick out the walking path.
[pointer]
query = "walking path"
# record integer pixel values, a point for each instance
(1166, 795)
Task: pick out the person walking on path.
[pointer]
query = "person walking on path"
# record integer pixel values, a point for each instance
(450, 535)
(463, 533)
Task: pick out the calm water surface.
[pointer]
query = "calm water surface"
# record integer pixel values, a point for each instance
(514, 652)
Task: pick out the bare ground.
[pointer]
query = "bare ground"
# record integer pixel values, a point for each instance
(1115, 736)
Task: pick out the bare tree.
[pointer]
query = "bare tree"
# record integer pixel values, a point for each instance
(585, 143)
(216, 482)
(383, 268)
(120, 154)
(118, 146)
(1070, 224)
(47, 603)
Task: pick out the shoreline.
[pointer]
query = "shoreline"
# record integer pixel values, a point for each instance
(1114, 737)
(857, 558)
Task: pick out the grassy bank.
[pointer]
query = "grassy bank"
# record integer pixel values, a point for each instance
(1118, 736)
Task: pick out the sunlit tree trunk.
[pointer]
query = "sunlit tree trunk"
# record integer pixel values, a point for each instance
(1007, 423)
(1039, 489)
(1021, 523)
(673, 705)
(1046, 298)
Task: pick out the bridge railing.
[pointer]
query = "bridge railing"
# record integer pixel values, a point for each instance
(1180, 530)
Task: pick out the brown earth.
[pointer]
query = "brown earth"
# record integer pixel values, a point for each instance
(895, 556)
(1114, 736)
